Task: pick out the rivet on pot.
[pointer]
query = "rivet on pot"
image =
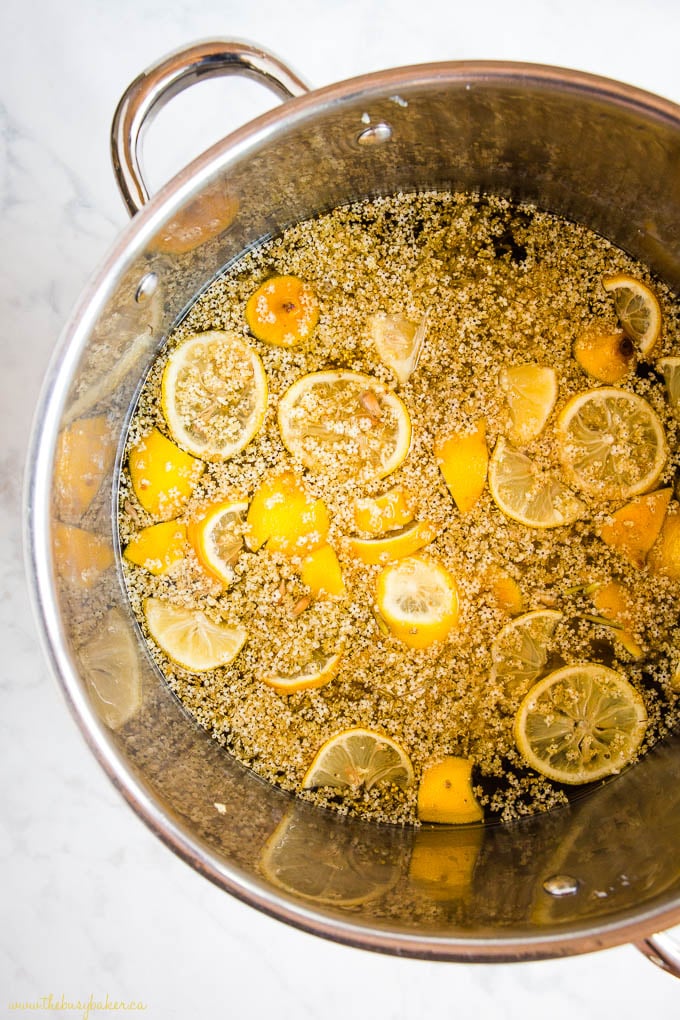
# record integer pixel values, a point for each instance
(561, 885)
(377, 134)
(147, 288)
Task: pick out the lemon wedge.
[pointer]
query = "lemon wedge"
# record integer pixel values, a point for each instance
(283, 311)
(463, 459)
(158, 547)
(321, 572)
(611, 443)
(216, 535)
(345, 423)
(637, 308)
(664, 556)
(605, 354)
(379, 514)
(190, 638)
(519, 652)
(214, 394)
(285, 516)
(163, 476)
(580, 723)
(358, 758)
(634, 528)
(85, 454)
(531, 392)
(417, 598)
(528, 495)
(399, 342)
(318, 672)
(81, 556)
(394, 545)
(445, 793)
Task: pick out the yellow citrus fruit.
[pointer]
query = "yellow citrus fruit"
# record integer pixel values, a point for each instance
(611, 443)
(190, 638)
(399, 342)
(346, 424)
(670, 368)
(634, 528)
(664, 556)
(358, 758)
(318, 672)
(580, 723)
(418, 600)
(214, 394)
(401, 542)
(520, 651)
(158, 547)
(503, 591)
(613, 600)
(163, 476)
(377, 515)
(283, 311)
(81, 556)
(445, 793)
(198, 221)
(531, 392)
(526, 494)
(637, 308)
(605, 354)
(463, 459)
(321, 572)
(326, 863)
(85, 453)
(111, 670)
(285, 516)
(216, 536)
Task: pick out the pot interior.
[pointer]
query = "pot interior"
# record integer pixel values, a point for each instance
(592, 874)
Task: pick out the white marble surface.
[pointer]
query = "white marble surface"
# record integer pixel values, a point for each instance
(92, 903)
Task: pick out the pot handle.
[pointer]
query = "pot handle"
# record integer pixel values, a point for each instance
(663, 950)
(149, 93)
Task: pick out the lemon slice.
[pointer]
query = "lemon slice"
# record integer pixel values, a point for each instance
(634, 528)
(519, 652)
(401, 542)
(318, 672)
(670, 367)
(463, 459)
(399, 342)
(359, 758)
(214, 394)
(531, 392)
(190, 638)
(611, 443)
(111, 670)
(445, 793)
(637, 308)
(85, 453)
(379, 514)
(217, 538)
(163, 476)
(158, 547)
(345, 423)
(418, 600)
(326, 863)
(527, 494)
(580, 723)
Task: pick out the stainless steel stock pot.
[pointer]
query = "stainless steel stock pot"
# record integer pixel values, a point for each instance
(603, 871)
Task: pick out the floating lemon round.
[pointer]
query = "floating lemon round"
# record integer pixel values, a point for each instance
(359, 758)
(217, 537)
(637, 308)
(519, 652)
(214, 394)
(283, 311)
(526, 494)
(345, 424)
(611, 443)
(580, 723)
(418, 600)
(190, 638)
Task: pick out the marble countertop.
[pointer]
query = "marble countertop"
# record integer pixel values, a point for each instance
(92, 903)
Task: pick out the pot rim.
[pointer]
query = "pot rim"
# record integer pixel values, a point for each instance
(628, 927)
